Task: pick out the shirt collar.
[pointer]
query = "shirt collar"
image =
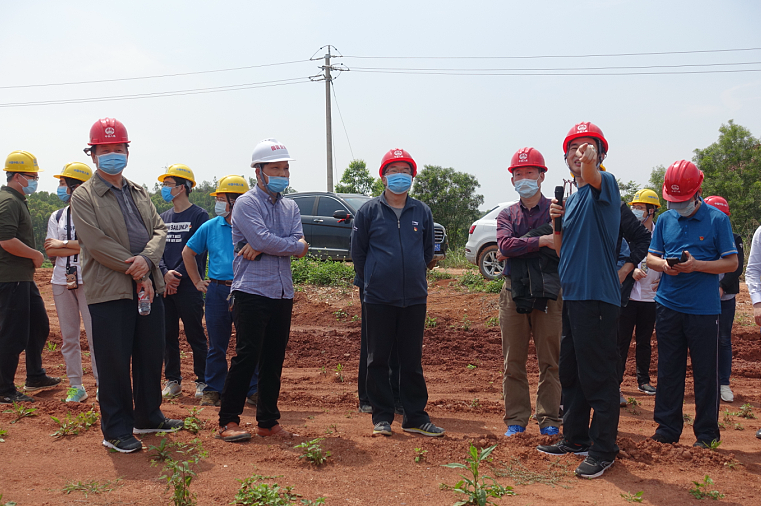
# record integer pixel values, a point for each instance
(539, 204)
(101, 186)
(264, 195)
(15, 193)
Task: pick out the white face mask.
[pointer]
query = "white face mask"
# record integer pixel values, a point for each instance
(220, 209)
(527, 187)
(639, 213)
(686, 211)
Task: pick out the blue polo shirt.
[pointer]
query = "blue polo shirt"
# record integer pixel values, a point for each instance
(216, 237)
(588, 253)
(707, 236)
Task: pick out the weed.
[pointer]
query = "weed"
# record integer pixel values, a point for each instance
(631, 401)
(72, 425)
(163, 451)
(471, 366)
(746, 411)
(51, 346)
(475, 403)
(340, 315)
(2, 435)
(738, 426)
(430, 322)
(21, 411)
(9, 503)
(420, 455)
(700, 490)
(323, 370)
(313, 451)
(192, 423)
(495, 285)
(456, 259)
(253, 492)
(465, 323)
(473, 281)
(687, 418)
(732, 464)
(355, 318)
(492, 321)
(475, 487)
(557, 472)
(90, 487)
(438, 274)
(633, 497)
(331, 429)
(179, 473)
(183, 355)
(728, 416)
(714, 445)
(339, 372)
(313, 271)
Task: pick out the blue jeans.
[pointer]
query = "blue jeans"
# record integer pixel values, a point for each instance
(726, 319)
(219, 322)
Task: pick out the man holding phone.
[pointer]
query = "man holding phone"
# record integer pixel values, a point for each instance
(692, 244)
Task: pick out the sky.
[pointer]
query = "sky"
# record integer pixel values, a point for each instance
(472, 123)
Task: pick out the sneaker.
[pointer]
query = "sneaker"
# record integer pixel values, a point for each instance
(171, 390)
(726, 393)
(251, 399)
(44, 382)
(210, 399)
(622, 400)
(702, 444)
(398, 408)
(365, 408)
(16, 396)
(124, 444)
(550, 430)
(276, 431)
(382, 428)
(427, 429)
(514, 429)
(660, 438)
(200, 385)
(168, 425)
(758, 434)
(232, 433)
(562, 447)
(76, 394)
(646, 388)
(592, 468)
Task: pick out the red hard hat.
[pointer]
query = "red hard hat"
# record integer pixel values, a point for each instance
(585, 129)
(682, 181)
(719, 203)
(397, 155)
(108, 131)
(527, 157)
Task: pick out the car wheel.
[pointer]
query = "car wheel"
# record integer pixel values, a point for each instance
(488, 264)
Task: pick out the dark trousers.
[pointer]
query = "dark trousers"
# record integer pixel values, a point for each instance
(263, 326)
(185, 305)
(677, 333)
(393, 363)
(637, 317)
(403, 326)
(24, 325)
(725, 340)
(588, 367)
(120, 336)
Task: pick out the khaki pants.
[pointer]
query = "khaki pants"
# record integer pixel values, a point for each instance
(517, 329)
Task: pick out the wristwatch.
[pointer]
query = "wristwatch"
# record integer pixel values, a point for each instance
(65, 242)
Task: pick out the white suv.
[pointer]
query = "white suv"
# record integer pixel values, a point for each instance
(481, 248)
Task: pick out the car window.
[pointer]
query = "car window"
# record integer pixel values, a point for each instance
(328, 205)
(494, 213)
(306, 205)
(356, 202)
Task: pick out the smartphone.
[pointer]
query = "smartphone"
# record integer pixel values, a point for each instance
(672, 261)
(71, 278)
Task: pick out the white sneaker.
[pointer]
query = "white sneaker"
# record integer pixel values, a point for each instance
(200, 385)
(171, 390)
(726, 393)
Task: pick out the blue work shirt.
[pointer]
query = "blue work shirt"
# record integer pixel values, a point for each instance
(216, 237)
(588, 252)
(707, 236)
(273, 229)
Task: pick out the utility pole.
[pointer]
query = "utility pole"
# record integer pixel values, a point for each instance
(328, 120)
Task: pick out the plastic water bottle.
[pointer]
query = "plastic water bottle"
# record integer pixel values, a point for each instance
(143, 304)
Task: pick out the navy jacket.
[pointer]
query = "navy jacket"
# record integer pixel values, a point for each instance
(390, 255)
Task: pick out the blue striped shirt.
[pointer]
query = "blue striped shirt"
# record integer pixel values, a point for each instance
(273, 229)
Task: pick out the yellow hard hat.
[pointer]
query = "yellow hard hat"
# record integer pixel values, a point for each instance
(21, 161)
(75, 170)
(646, 196)
(231, 184)
(179, 170)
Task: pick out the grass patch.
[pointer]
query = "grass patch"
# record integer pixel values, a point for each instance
(557, 472)
(313, 271)
(90, 487)
(456, 259)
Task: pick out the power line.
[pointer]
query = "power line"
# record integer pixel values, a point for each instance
(333, 87)
(558, 69)
(557, 73)
(160, 76)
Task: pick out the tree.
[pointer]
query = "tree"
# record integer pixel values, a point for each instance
(41, 206)
(356, 179)
(452, 197)
(656, 184)
(378, 187)
(627, 190)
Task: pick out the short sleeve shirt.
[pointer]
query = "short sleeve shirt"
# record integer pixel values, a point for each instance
(15, 223)
(707, 236)
(588, 253)
(216, 237)
(57, 229)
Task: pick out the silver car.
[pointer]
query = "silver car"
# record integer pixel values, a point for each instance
(481, 248)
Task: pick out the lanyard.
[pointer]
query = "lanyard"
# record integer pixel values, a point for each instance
(68, 237)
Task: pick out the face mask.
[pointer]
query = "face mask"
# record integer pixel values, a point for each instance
(527, 187)
(31, 186)
(63, 193)
(277, 184)
(166, 194)
(398, 183)
(220, 209)
(687, 211)
(112, 163)
(639, 213)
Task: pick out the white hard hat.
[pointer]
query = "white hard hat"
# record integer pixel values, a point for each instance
(269, 151)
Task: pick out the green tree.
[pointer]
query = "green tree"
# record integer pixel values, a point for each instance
(356, 179)
(627, 190)
(378, 187)
(41, 206)
(656, 184)
(452, 197)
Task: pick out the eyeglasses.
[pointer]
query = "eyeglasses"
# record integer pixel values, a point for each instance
(395, 170)
(32, 178)
(168, 185)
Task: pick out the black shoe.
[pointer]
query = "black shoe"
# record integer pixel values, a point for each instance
(124, 444)
(660, 438)
(398, 408)
(592, 468)
(646, 388)
(168, 425)
(44, 382)
(702, 444)
(16, 396)
(365, 408)
(562, 447)
(382, 428)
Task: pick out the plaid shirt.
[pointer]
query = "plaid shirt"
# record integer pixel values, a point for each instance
(514, 222)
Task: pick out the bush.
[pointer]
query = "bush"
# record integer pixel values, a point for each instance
(313, 271)
(455, 259)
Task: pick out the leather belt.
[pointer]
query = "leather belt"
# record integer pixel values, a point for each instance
(223, 282)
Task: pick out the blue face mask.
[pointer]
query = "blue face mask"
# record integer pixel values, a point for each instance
(277, 184)
(398, 183)
(63, 193)
(166, 194)
(220, 209)
(31, 186)
(527, 187)
(112, 163)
